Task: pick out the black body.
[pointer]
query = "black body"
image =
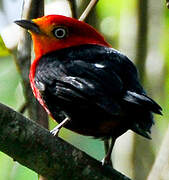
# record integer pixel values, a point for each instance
(98, 88)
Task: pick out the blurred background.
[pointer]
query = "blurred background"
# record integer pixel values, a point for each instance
(140, 29)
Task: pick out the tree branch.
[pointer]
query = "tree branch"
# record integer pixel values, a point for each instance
(86, 12)
(34, 147)
(161, 162)
(142, 158)
(167, 3)
(73, 8)
(31, 9)
(142, 36)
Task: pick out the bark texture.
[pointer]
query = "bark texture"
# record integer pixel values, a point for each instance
(34, 147)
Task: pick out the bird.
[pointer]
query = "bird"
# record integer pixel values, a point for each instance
(86, 85)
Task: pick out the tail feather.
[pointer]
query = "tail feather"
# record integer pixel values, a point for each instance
(144, 101)
(141, 115)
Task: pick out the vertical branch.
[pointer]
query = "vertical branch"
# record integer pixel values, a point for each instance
(167, 3)
(1, 5)
(73, 8)
(142, 158)
(160, 167)
(31, 9)
(161, 164)
(141, 44)
(86, 12)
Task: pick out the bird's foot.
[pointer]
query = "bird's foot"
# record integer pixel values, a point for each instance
(56, 130)
(103, 161)
(106, 161)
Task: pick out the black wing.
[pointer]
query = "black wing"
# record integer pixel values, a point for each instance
(80, 82)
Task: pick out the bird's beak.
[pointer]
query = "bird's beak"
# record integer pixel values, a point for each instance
(29, 25)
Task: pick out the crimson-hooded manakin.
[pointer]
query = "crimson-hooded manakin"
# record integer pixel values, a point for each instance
(85, 84)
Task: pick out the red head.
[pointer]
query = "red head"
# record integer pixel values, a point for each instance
(54, 32)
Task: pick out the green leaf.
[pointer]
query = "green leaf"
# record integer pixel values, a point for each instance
(3, 50)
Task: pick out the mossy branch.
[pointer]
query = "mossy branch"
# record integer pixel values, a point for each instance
(34, 147)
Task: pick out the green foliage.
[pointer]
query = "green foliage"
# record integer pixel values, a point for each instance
(11, 170)
(11, 94)
(3, 50)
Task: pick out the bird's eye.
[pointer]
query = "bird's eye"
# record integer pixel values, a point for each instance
(60, 32)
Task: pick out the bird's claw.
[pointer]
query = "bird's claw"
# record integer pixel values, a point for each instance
(106, 161)
(55, 131)
(103, 162)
